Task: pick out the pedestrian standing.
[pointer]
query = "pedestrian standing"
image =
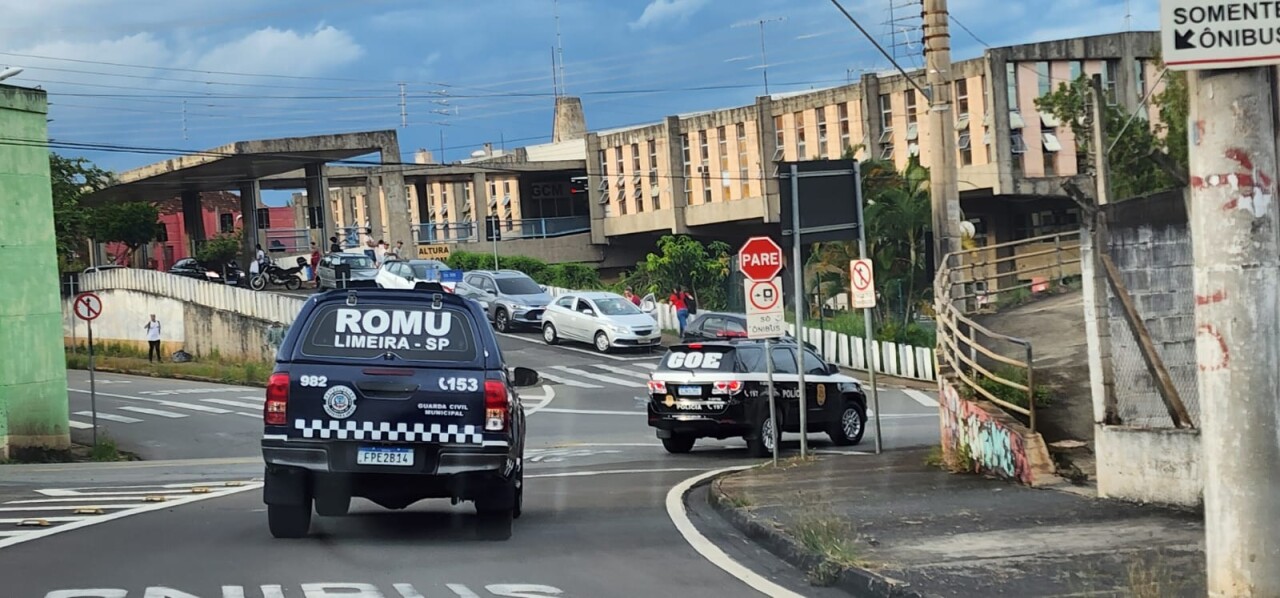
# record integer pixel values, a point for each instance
(153, 338)
(315, 262)
(682, 309)
(398, 252)
(380, 252)
(632, 297)
(334, 247)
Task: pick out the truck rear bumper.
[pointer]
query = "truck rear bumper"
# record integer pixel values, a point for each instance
(429, 459)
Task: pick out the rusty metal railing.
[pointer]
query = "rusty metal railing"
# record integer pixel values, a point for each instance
(969, 352)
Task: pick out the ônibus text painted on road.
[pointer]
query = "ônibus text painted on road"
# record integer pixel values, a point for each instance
(321, 590)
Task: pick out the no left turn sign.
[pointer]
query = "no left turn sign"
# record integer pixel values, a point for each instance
(88, 306)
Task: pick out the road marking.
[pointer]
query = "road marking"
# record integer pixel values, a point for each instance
(680, 517)
(576, 349)
(920, 397)
(69, 508)
(581, 474)
(157, 412)
(623, 371)
(138, 496)
(194, 407)
(568, 381)
(231, 403)
(110, 417)
(79, 425)
(551, 394)
(592, 412)
(253, 415)
(49, 519)
(597, 377)
(648, 366)
(146, 508)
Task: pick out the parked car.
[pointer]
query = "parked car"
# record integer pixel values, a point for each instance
(192, 268)
(102, 268)
(714, 325)
(412, 274)
(606, 320)
(361, 272)
(510, 297)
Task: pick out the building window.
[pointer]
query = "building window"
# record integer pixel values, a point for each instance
(704, 153)
(779, 133)
(1109, 69)
(635, 159)
(842, 111)
(822, 130)
(688, 169)
(965, 144)
(1043, 84)
(911, 107)
(722, 152)
(653, 166)
(801, 154)
(1077, 69)
(744, 188)
(226, 223)
(1011, 84)
(506, 187)
(962, 97)
(1050, 164)
(886, 113)
(1048, 222)
(1140, 75)
(604, 171)
(617, 160)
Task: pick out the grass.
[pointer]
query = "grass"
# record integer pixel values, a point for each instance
(739, 501)
(935, 458)
(1043, 395)
(830, 536)
(105, 450)
(244, 373)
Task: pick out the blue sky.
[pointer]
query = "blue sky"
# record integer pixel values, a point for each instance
(207, 72)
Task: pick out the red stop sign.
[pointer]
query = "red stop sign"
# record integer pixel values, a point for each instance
(760, 259)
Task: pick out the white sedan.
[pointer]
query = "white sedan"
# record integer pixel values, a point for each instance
(412, 274)
(606, 320)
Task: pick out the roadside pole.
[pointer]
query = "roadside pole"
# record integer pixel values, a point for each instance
(93, 388)
(798, 277)
(773, 405)
(760, 261)
(1237, 274)
(87, 307)
(866, 311)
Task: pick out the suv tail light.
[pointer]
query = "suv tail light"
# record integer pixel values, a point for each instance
(726, 387)
(496, 406)
(273, 412)
(657, 387)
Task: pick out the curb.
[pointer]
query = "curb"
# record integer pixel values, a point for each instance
(854, 581)
(150, 374)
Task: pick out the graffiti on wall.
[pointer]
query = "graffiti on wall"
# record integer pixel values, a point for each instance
(972, 436)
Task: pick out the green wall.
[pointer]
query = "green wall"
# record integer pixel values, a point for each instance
(33, 373)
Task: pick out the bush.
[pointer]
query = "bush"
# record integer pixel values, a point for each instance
(568, 276)
(218, 251)
(851, 323)
(1012, 395)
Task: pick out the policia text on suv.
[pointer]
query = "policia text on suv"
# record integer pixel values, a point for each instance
(394, 396)
(719, 390)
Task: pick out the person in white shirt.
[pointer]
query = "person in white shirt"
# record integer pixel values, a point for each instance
(153, 338)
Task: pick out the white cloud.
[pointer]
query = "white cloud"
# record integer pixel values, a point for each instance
(667, 10)
(277, 51)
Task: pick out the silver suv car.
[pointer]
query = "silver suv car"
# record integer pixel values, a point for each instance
(510, 297)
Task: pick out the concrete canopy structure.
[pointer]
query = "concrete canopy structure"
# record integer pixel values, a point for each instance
(242, 165)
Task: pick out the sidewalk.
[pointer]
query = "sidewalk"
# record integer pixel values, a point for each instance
(891, 525)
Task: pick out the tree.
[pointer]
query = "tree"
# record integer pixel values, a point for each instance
(1174, 103)
(1133, 173)
(134, 224)
(685, 262)
(71, 179)
(219, 251)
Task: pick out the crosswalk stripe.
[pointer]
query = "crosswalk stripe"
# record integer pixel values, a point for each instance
(253, 415)
(37, 501)
(70, 508)
(194, 407)
(110, 417)
(79, 425)
(567, 381)
(49, 519)
(920, 397)
(231, 403)
(156, 412)
(623, 371)
(648, 366)
(596, 377)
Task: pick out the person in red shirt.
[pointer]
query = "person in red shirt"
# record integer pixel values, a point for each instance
(677, 300)
(315, 261)
(632, 297)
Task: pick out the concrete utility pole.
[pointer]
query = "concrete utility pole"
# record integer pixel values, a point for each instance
(943, 191)
(1234, 219)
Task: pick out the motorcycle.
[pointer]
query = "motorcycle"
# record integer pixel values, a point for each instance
(270, 273)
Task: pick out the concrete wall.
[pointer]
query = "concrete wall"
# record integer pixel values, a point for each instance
(987, 439)
(554, 250)
(199, 317)
(1139, 456)
(33, 388)
(1149, 465)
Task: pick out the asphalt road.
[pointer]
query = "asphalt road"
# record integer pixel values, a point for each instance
(598, 518)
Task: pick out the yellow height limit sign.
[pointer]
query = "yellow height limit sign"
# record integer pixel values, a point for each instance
(863, 282)
(434, 252)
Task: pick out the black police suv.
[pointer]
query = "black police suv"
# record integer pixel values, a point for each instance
(394, 396)
(719, 390)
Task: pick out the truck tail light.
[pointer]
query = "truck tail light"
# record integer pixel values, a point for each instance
(726, 387)
(273, 412)
(657, 387)
(496, 406)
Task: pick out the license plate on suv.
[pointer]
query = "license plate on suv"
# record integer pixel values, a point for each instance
(689, 391)
(384, 455)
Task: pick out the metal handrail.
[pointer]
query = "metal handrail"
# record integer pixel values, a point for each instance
(959, 352)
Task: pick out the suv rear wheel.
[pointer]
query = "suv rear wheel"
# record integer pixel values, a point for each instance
(289, 521)
(762, 443)
(848, 430)
(679, 444)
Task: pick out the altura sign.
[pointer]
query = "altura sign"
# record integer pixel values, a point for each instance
(1208, 34)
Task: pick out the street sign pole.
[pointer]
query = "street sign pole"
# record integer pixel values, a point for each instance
(798, 277)
(773, 404)
(866, 312)
(93, 390)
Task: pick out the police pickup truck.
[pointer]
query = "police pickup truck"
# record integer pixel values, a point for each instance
(719, 390)
(394, 396)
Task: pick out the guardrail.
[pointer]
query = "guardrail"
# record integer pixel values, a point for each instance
(542, 228)
(444, 233)
(967, 282)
